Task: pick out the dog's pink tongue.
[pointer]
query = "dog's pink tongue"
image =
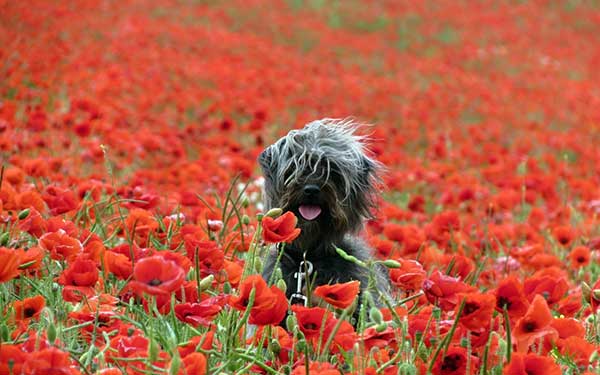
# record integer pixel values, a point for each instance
(309, 212)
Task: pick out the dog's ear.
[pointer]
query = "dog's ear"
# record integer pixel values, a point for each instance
(264, 160)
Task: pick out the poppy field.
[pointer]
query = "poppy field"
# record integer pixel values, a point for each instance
(132, 231)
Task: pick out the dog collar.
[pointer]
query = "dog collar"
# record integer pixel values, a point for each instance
(304, 271)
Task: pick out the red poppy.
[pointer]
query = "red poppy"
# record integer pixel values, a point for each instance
(409, 276)
(338, 295)
(28, 308)
(49, 361)
(552, 287)
(194, 364)
(580, 256)
(509, 295)
(535, 324)
(281, 229)
(316, 368)
(564, 234)
(9, 267)
(204, 342)
(200, 313)
(454, 362)
(270, 304)
(311, 319)
(60, 245)
(477, 310)
(12, 359)
(59, 200)
(156, 276)
(531, 364)
(578, 349)
(118, 264)
(210, 256)
(81, 272)
(34, 223)
(443, 290)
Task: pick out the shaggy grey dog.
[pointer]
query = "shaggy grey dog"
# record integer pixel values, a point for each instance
(322, 174)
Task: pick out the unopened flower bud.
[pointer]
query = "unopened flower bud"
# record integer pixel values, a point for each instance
(274, 212)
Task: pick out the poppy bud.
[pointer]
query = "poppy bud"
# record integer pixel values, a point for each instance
(406, 368)
(4, 237)
(350, 258)
(23, 214)
(206, 282)
(277, 274)
(227, 287)
(153, 350)
(258, 265)
(380, 327)
(175, 364)
(275, 346)
(586, 291)
(245, 201)
(51, 333)
(4, 333)
(376, 315)
(281, 285)
(391, 263)
(596, 294)
(245, 220)
(291, 323)
(274, 212)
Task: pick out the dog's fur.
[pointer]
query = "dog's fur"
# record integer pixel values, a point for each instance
(329, 156)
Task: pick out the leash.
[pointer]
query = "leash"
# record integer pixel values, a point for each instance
(305, 269)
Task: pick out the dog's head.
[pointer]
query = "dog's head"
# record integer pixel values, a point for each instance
(323, 175)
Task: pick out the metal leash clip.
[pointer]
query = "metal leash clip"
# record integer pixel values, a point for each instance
(300, 276)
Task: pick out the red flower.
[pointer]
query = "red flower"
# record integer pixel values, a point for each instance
(59, 200)
(454, 362)
(29, 308)
(282, 229)
(200, 313)
(580, 256)
(270, 304)
(12, 356)
(531, 364)
(339, 295)
(310, 320)
(477, 311)
(9, 267)
(509, 295)
(60, 245)
(316, 368)
(443, 290)
(156, 276)
(409, 277)
(49, 361)
(194, 364)
(81, 272)
(535, 324)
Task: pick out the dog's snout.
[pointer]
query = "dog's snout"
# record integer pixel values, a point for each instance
(311, 190)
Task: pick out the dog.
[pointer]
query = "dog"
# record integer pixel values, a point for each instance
(323, 175)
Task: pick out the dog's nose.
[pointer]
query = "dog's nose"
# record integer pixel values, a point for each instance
(311, 190)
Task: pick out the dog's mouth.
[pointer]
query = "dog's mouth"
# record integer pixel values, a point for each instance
(309, 211)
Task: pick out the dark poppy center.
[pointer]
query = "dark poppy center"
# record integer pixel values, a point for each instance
(529, 326)
(28, 312)
(451, 363)
(155, 282)
(470, 307)
(331, 296)
(580, 259)
(504, 302)
(311, 326)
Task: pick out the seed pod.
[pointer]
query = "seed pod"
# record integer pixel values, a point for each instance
(206, 282)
